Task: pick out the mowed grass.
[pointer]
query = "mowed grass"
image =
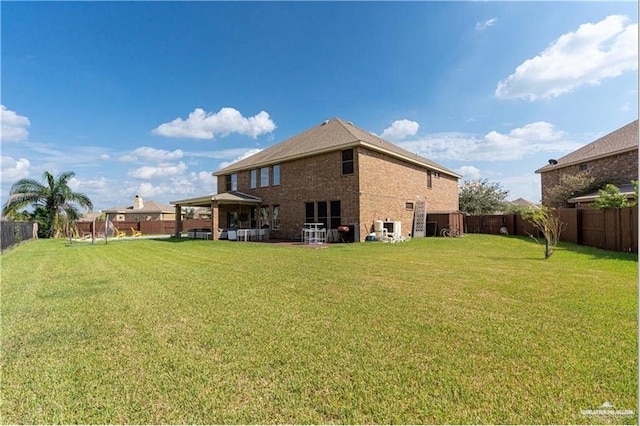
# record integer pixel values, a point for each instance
(478, 329)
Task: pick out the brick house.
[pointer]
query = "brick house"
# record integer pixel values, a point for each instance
(141, 210)
(335, 174)
(612, 158)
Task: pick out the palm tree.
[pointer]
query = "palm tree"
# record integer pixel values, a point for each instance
(54, 198)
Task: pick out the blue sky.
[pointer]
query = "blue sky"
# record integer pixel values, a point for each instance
(150, 98)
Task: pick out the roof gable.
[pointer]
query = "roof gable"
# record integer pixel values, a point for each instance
(622, 140)
(328, 136)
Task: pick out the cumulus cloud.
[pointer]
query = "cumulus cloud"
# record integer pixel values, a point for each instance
(480, 26)
(592, 53)
(82, 185)
(469, 172)
(400, 129)
(13, 170)
(152, 154)
(205, 178)
(203, 125)
(159, 171)
(494, 146)
(14, 126)
(246, 154)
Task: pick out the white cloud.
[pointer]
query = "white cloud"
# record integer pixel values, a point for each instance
(592, 53)
(151, 154)
(400, 129)
(157, 172)
(246, 154)
(203, 125)
(494, 146)
(13, 170)
(204, 178)
(480, 26)
(525, 186)
(82, 185)
(14, 126)
(469, 172)
(175, 187)
(149, 190)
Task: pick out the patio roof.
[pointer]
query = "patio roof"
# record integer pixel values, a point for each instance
(232, 197)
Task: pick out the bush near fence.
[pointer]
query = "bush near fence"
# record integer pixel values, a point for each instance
(13, 233)
(611, 229)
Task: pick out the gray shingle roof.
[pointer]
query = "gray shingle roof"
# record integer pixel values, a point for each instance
(149, 207)
(622, 140)
(328, 136)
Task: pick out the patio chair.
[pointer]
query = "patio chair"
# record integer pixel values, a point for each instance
(118, 233)
(135, 233)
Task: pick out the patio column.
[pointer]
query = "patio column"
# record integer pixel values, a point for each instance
(215, 220)
(178, 233)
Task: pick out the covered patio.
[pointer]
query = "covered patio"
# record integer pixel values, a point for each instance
(238, 207)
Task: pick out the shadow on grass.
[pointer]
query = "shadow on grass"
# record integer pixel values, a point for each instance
(594, 252)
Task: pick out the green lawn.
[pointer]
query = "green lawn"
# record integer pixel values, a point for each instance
(478, 329)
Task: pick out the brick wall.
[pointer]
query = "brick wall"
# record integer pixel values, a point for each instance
(388, 184)
(379, 188)
(617, 169)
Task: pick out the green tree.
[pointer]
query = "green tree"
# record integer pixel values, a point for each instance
(610, 197)
(54, 201)
(547, 221)
(189, 213)
(634, 199)
(481, 197)
(570, 186)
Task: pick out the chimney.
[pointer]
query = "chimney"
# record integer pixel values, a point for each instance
(137, 203)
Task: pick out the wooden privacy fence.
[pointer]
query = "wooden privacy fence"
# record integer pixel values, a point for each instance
(147, 227)
(13, 233)
(611, 229)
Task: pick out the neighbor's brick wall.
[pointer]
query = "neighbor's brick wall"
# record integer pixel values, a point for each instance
(387, 184)
(380, 185)
(617, 169)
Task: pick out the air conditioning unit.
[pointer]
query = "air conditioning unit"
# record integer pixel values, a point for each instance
(394, 229)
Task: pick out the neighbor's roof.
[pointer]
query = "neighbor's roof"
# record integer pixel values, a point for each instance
(522, 202)
(622, 140)
(148, 207)
(330, 135)
(627, 190)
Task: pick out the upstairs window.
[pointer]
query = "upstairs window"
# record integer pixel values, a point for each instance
(347, 161)
(429, 179)
(276, 174)
(264, 176)
(253, 178)
(232, 182)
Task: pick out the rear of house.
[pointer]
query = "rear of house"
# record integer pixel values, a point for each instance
(334, 174)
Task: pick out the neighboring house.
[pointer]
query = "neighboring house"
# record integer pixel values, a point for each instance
(141, 210)
(611, 159)
(521, 202)
(335, 174)
(585, 200)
